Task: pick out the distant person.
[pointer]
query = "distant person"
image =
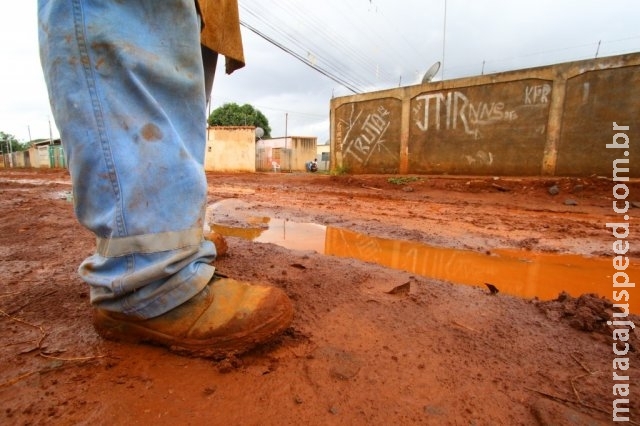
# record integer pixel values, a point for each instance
(126, 83)
(312, 166)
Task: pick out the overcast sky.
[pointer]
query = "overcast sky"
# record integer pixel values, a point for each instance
(362, 45)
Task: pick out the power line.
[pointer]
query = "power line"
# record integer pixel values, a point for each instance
(347, 43)
(302, 59)
(298, 44)
(321, 45)
(330, 39)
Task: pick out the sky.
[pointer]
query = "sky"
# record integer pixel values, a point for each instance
(341, 47)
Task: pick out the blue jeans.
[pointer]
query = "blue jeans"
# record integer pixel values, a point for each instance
(126, 87)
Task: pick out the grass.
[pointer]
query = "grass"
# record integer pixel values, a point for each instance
(340, 170)
(403, 180)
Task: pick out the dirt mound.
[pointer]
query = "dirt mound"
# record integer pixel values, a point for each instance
(589, 312)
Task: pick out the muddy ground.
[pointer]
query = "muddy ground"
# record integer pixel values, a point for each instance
(369, 344)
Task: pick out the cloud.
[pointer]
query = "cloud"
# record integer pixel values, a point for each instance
(373, 44)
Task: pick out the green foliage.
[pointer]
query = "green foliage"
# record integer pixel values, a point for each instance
(403, 180)
(232, 114)
(7, 139)
(340, 170)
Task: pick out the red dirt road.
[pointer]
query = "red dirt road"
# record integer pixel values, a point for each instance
(369, 344)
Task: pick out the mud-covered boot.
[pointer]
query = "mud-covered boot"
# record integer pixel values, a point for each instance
(227, 317)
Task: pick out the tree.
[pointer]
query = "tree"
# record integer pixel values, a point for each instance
(232, 114)
(9, 143)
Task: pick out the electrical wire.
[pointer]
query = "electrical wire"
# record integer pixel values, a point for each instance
(279, 30)
(335, 78)
(325, 49)
(315, 34)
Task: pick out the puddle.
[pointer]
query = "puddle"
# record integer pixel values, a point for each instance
(287, 234)
(35, 181)
(516, 272)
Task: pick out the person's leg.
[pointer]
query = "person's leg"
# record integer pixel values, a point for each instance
(126, 86)
(127, 89)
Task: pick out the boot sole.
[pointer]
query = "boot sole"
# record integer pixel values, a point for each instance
(218, 347)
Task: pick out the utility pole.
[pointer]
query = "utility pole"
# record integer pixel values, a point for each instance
(286, 122)
(50, 134)
(9, 150)
(444, 36)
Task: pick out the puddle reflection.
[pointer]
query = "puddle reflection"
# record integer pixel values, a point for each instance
(285, 233)
(516, 272)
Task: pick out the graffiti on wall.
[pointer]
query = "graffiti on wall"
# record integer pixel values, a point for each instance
(453, 110)
(363, 134)
(538, 94)
(457, 110)
(480, 158)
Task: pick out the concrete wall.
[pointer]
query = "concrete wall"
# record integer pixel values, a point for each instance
(553, 120)
(291, 153)
(40, 155)
(230, 149)
(594, 100)
(270, 151)
(323, 154)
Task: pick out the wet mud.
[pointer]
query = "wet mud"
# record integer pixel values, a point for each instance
(394, 320)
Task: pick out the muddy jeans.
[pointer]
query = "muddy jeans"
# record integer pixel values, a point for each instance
(126, 87)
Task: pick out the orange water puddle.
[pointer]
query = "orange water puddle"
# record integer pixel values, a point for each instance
(517, 272)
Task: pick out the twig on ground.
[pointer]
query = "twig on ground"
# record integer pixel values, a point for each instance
(371, 187)
(575, 391)
(463, 326)
(47, 369)
(581, 364)
(17, 308)
(17, 379)
(569, 401)
(43, 334)
(24, 342)
(83, 358)
(38, 347)
(575, 379)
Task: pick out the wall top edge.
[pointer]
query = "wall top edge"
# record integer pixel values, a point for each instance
(563, 70)
(231, 128)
